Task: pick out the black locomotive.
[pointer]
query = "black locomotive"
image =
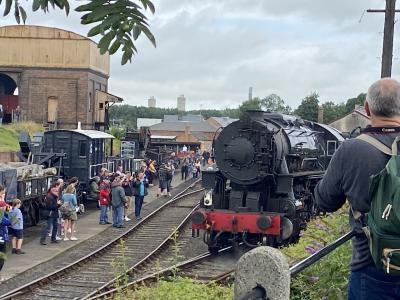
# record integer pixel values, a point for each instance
(260, 191)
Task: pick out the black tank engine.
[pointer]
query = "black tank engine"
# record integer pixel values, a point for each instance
(260, 189)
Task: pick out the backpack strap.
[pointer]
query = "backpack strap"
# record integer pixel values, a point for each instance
(395, 145)
(377, 144)
(357, 215)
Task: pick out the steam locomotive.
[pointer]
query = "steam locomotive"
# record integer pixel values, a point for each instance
(261, 189)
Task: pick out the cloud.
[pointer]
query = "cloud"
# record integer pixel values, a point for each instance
(213, 51)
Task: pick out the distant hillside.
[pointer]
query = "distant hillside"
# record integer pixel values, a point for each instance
(9, 134)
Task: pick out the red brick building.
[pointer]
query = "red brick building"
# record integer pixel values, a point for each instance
(60, 76)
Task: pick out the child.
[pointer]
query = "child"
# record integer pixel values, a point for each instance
(104, 201)
(4, 222)
(17, 227)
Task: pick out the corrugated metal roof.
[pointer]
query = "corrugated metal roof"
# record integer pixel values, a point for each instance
(224, 121)
(180, 126)
(147, 122)
(94, 134)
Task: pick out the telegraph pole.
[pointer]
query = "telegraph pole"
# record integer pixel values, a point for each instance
(388, 33)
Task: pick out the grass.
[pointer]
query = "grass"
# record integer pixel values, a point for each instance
(326, 279)
(181, 289)
(9, 134)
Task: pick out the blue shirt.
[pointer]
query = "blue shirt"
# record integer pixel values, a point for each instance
(141, 189)
(16, 219)
(71, 199)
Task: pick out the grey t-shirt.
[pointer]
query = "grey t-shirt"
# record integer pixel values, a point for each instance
(348, 177)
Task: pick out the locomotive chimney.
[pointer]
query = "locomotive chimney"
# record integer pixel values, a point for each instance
(320, 114)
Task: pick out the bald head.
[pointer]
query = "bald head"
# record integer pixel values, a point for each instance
(383, 98)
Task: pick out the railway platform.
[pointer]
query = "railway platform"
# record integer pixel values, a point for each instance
(87, 228)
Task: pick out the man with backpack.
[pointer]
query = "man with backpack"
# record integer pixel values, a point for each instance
(364, 172)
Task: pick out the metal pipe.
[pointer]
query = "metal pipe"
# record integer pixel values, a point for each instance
(300, 266)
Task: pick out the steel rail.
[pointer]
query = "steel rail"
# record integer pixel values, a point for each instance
(168, 272)
(148, 256)
(31, 285)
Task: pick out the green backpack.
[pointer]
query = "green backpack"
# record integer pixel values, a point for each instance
(382, 225)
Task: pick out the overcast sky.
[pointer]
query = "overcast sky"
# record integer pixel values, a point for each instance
(213, 51)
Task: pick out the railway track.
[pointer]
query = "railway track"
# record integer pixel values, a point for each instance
(86, 276)
(204, 268)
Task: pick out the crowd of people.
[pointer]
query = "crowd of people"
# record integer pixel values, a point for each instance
(114, 193)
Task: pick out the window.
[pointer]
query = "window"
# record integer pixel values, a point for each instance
(101, 105)
(330, 148)
(82, 149)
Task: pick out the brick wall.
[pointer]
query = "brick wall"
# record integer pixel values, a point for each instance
(71, 87)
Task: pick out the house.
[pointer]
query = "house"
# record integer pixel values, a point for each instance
(188, 129)
(357, 118)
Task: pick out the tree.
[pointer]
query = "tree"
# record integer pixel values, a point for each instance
(275, 103)
(252, 104)
(333, 111)
(352, 102)
(119, 22)
(308, 109)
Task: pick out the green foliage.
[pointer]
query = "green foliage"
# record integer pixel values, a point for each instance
(308, 109)
(118, 133)
(276, 104)
(128, 114)
(9, 134)
(252, 104)
(333, 111)
(176, 252)
(120, 268)
(9, 140)
(182, 289)
(328, 277)
(352, 102)
(119, 22)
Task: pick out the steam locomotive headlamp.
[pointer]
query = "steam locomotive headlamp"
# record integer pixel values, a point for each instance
(208, 201)
(264, 222)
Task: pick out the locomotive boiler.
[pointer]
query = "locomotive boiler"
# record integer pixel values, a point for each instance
(260, 190)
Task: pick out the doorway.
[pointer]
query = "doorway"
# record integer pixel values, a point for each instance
(52, 110)
(8, 97)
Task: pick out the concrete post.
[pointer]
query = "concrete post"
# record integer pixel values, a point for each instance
(263, 266)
